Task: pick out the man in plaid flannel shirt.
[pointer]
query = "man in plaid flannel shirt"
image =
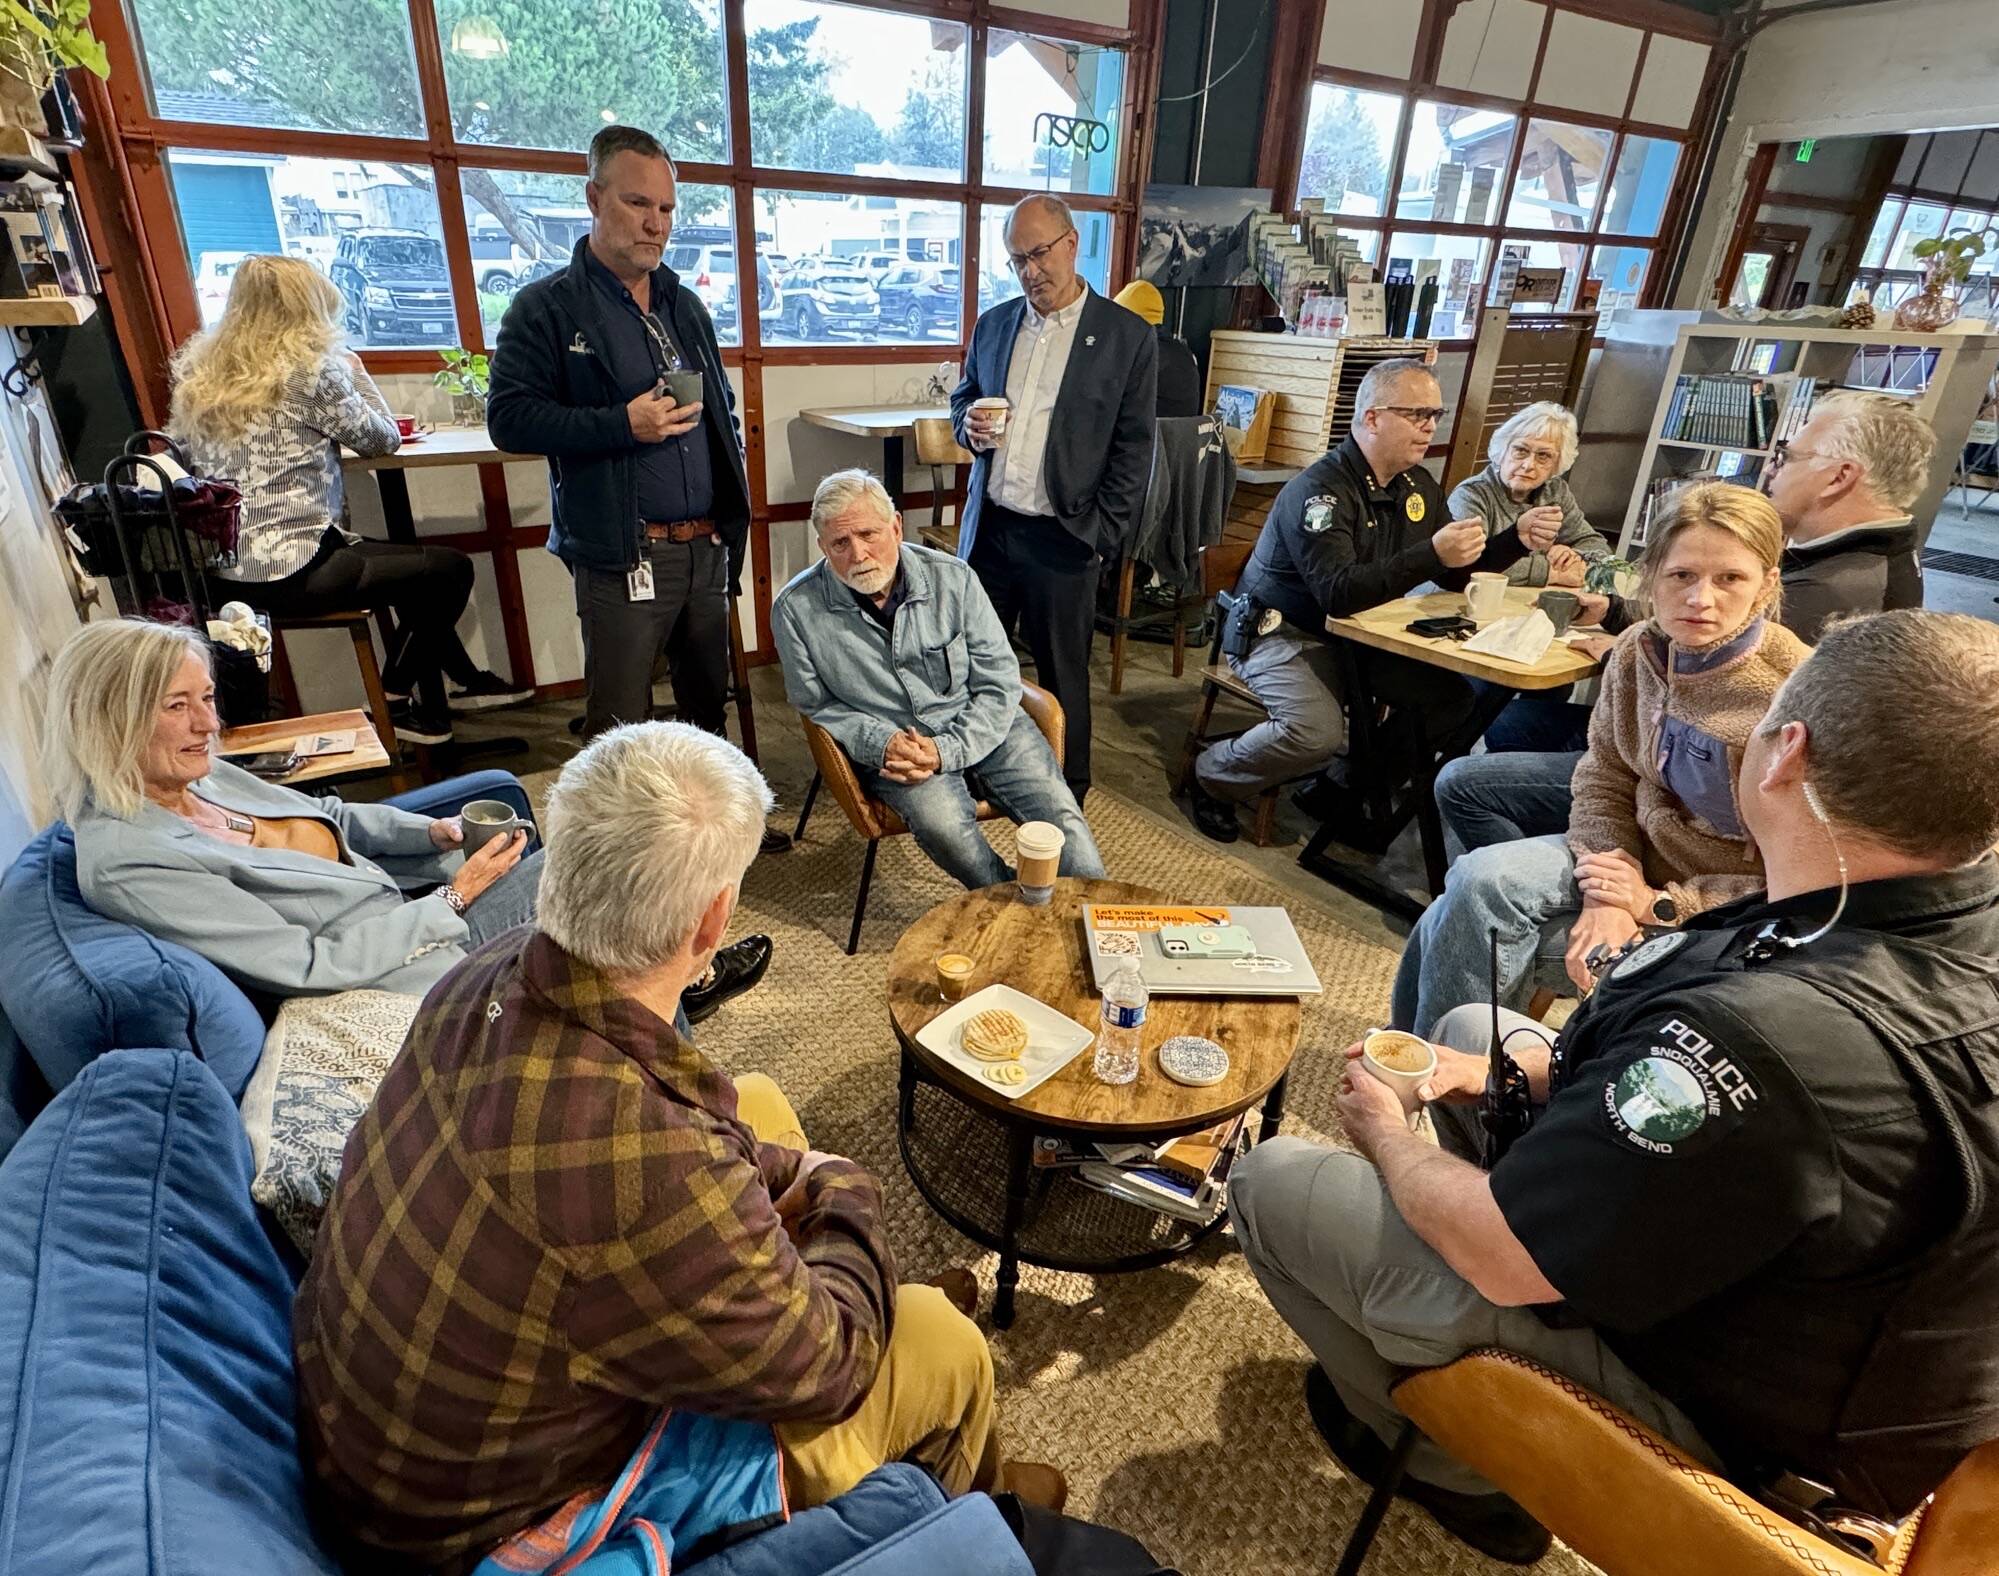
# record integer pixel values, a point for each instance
(558, 1217)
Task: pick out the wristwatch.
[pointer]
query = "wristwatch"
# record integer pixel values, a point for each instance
(452, 897)
(1665, 910)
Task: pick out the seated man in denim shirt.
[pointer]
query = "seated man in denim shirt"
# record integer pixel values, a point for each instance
(895, 651)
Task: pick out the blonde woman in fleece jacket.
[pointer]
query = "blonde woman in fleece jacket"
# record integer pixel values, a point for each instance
(1655, 833)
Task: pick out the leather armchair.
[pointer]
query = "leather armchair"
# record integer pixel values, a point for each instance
(1634, 1505)
(875, 820)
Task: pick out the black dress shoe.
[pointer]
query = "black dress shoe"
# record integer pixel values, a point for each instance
(735, 969)
(1494, 1524)
(1215, 817)
(774, 842)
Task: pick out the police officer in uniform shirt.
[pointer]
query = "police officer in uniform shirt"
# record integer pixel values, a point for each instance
(1364, 525)
(1757, 1206)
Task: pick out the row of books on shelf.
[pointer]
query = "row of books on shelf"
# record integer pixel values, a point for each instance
(1185, 1178)
(46, 253)
(1738, 410)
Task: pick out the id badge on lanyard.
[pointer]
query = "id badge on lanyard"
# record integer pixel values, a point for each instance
(638, 584)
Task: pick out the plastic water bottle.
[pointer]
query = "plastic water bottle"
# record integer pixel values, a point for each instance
(1121, 1025)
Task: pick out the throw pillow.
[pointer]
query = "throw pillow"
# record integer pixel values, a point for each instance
(322, 1060)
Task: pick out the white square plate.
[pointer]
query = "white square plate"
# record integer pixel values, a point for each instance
(1053, 1041)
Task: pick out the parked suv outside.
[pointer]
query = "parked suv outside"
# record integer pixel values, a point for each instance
(917, 297)
(397, 289)
(709, 270)
(822, 295)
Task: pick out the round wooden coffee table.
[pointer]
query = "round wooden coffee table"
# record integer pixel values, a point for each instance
(970, 1151)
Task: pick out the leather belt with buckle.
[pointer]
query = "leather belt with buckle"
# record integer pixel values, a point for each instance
(678, 530)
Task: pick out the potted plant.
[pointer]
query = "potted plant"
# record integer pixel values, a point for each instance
(38, 38)
(1611, 577)
(468, 379)
(1948, 260)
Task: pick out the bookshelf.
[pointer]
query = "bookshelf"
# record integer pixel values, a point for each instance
(1943, 375)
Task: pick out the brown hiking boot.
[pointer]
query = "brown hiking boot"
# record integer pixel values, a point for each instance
(960, 1287)
(1033, 1482)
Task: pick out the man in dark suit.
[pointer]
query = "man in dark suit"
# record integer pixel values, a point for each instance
(1059, 475)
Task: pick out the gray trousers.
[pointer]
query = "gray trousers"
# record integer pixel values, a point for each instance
(1297, 681)
(688, 617)
(1371, 1298)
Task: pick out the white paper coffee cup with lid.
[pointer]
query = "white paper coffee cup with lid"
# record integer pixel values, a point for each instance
(1038, 845)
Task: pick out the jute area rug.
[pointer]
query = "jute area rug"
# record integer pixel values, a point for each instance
(1172, 1398)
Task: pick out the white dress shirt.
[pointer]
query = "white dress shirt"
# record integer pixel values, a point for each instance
(1033, 379)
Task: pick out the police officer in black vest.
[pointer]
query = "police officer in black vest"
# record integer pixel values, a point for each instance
(1757, 1206)
(1364, 525)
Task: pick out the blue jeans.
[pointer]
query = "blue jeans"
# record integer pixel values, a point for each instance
(1526, 891)
(508, 902)
(1486, 799)
(1020, 777)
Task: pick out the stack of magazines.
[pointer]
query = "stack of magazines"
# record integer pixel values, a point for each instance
(1186, 1177)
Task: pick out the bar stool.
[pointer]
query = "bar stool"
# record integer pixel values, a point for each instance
(355, 622)
(938, 447)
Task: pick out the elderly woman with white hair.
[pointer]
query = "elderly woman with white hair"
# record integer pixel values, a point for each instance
(1530, 457)
(286, 894)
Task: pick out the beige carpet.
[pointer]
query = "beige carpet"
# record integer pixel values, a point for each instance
(1173, 1397)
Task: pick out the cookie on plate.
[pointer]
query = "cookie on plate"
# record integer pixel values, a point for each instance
(994, 1035)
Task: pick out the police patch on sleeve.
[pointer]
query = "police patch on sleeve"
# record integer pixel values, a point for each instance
(1646, 954)
(1320, 513)
(1680, 1096)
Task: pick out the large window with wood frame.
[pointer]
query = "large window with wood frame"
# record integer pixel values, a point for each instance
(841, 165)
(1463, 181)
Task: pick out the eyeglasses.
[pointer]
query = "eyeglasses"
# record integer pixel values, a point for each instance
(1785, 451)
(1417, 415)
(1039, 255)
(666, 358)
(1525, 455)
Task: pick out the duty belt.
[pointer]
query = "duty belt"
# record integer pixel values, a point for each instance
(677, 530)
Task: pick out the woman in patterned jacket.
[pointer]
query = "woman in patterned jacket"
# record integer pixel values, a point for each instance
(267, 397)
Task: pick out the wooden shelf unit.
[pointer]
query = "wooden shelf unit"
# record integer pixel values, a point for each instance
(1314, 381)
(46, 311)
(1958, 368)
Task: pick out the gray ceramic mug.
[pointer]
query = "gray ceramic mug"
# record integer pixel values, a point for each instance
(684, 388)
(484, 820)
(1561, 608)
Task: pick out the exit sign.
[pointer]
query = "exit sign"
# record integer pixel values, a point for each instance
(1806, 149)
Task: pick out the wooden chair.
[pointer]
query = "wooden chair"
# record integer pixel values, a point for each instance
(1221, 566)
(875, 820)
(1632, 1504)
(1122, 621)
(355, 622)
(937, 446)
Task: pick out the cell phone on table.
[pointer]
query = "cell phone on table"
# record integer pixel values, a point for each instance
(272, 763)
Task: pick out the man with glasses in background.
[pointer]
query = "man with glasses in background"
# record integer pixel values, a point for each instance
(1060, 469)
(1844, 486)
(1364, 525)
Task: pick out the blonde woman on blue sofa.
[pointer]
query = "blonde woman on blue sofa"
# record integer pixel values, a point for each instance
(286, 894)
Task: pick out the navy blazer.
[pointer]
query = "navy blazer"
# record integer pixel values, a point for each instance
(1099, 455)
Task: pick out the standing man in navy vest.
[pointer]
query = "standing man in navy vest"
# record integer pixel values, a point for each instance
(650, 495)
(651, 499)
(1060, 475)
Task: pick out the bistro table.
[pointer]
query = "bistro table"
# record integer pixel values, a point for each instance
(890, 423)
(970, 1151)
(1384, 628)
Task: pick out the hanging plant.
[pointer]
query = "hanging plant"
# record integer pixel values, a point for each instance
(38, 38)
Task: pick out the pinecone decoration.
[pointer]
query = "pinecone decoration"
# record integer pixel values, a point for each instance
(1859, 315)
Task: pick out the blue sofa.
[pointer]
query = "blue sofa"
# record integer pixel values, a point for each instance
(147, 1393)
